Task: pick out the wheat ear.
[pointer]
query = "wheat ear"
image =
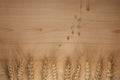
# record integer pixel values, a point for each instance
(109, 70)
(67, 71)
(98, 73)
(87, 72)
(44, 70)
(54, 71)
(30, 69)
(20, 70)
(10, 71)
(76, 74)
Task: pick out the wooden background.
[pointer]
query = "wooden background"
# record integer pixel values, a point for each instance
(51, 26)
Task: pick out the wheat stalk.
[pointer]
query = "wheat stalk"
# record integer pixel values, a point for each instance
(67, 71)
(30, 69)
(10, 71)
(87, 72)
(109, 71)
(45, 70)
(99, 69)
(54, 71)
(20, 70)
(76, 74)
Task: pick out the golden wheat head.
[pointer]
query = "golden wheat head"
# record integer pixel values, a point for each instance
(67, 70)
(54, 71)
(109, 74)
(76, 74)
(30, 69)
(45, 69)
(10, 71)
(20, 70)
(98, 73)
(87, 71)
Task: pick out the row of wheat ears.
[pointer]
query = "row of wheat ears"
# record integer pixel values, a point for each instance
(54, 70)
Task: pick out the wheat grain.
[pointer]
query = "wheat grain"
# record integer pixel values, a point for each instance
(76, 74)
(20, 70)
(54, 71)
(87, 72)
(88, 5)
(98, 73)
(30, 69)
(68, 37)
(109, 71)
(10, 71)
(67, 71)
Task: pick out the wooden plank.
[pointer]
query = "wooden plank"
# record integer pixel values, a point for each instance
(51, 27)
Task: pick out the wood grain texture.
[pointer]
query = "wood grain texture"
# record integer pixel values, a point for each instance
(46, 27)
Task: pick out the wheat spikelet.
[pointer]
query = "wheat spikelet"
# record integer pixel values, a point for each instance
(76, 74)
(109, 70)
(20, 70)
(67, 71)
(10, 71)
(30, 69)
(54, 71)
(45, 69)
(87, 72)
(98, 73)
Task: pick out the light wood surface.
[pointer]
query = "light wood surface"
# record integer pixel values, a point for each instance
(48, 27)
